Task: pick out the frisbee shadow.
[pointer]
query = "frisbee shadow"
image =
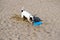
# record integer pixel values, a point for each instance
(36, 19)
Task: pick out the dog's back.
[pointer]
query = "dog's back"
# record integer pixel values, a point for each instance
(26, 14)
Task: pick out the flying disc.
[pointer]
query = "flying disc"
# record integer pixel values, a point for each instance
(37, 23)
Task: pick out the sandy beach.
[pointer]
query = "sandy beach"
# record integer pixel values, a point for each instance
(12, 27)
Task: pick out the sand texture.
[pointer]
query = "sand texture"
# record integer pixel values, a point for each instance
(12, 27)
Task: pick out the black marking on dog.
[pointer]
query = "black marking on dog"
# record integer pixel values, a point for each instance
(30, 18)
(21, 10)
(24, 18)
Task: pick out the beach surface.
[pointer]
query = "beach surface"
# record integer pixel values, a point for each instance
(12, 27)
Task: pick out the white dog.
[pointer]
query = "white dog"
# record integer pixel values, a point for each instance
(25, 14)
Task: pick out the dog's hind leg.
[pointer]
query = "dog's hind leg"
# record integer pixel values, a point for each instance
(21, 16)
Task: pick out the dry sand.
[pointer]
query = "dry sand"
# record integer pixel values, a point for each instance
(13, 28)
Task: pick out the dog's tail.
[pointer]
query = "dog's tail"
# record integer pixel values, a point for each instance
(22, 9)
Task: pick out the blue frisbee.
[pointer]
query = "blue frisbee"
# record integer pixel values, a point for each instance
(37, 23)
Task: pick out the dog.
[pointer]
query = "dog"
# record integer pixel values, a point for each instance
(27, 15)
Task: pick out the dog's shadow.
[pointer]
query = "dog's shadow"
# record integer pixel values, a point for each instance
(37, 19)
(18, 18)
